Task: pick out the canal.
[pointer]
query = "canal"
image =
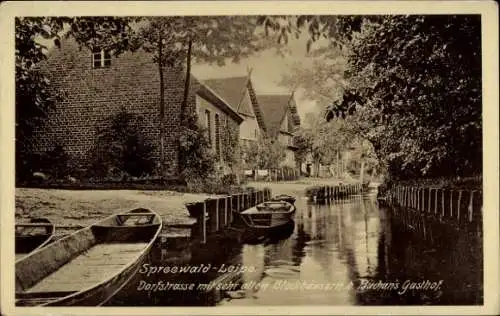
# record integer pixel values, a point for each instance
(345, 252)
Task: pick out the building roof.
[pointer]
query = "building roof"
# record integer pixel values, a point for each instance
(275, 107)
(209, 94)
(232, 90)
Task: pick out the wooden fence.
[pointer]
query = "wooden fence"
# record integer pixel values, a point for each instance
(217, 214)
(326, 193)
(280, 174)
(461, 206)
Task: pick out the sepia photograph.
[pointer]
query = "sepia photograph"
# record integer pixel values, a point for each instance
(188, 158)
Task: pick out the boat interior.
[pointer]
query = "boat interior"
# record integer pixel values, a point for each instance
(273, 206)
(84, 259)
(30, 236)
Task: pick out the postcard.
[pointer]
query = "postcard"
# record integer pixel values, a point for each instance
(243, 157)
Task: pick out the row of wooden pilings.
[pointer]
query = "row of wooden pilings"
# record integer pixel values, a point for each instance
(214, 215)
(461, 205)
(326, 192)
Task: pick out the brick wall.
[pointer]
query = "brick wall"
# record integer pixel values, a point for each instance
(91, 96)
(225, 121)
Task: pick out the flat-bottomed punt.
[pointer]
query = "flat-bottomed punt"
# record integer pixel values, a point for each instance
(90, 266)
(33, 236)
(284, 197)
(269, 215)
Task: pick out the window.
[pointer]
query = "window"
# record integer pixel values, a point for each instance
(208, 125)
(101, 58)
(217, 135)
(255, 133)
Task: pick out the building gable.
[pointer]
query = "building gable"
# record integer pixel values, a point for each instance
(274, 108)
(245, 107)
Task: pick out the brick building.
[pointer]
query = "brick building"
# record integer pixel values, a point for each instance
(272, 115)
(239, 93)
(96, 85)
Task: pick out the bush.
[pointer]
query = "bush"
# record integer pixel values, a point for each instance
(121, 150)
(196, 159)
(229, 179)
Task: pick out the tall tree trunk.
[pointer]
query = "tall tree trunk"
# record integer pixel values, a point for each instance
(187, 81)
(183, 117)
(162, 107)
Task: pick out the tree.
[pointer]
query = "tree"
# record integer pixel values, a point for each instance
(265, 153)
(175, 41)
(422, 83)
(417, 79)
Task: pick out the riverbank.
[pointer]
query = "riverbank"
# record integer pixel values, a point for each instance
(77, 208)
(298, 187)
(84, 207)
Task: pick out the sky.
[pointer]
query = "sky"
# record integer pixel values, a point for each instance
(267, 71)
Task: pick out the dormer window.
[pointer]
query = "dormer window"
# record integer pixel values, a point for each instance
(101, 58)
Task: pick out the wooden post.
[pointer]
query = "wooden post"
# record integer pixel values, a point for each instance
(411, 197)
(422, 199)
(401, 195)
(451, 203)
(408, 196)
(227, 216)
(417, 194)
(217, 223)
(429, 200)
(204, 223)
(471, 203)
(436, 201)
(442, 202)
(458, 205)
(415, 198)
(405, 196)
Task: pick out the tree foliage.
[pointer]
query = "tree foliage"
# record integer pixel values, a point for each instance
(265, 153)
(417, 80)
(197, 159)
(421, 76)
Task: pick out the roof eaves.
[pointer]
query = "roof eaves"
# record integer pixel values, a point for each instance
(223, 104)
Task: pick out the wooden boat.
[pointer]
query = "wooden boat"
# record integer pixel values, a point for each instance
(284, 197)
(90, 266)
(33, 236)
(268, 215)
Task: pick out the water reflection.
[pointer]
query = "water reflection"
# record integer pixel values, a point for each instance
(346, 252)
(353, 252)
